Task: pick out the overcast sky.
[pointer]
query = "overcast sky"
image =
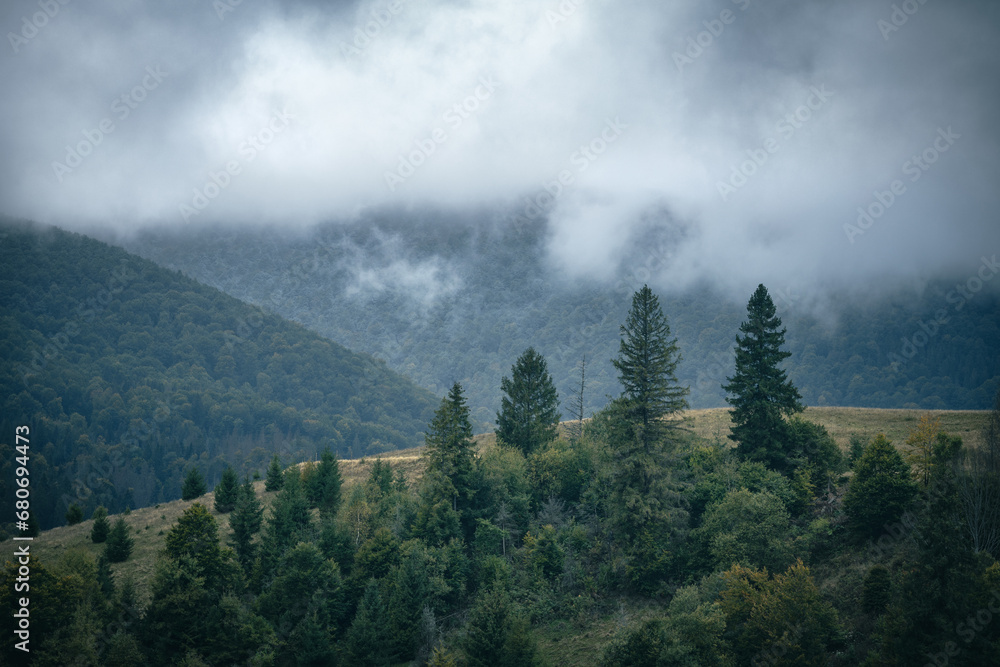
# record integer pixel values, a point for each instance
(752, 131)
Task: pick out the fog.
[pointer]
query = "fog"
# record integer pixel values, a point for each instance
(744, 136)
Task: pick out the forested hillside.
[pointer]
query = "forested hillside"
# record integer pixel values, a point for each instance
(632, 542)
(129, 374)
(445, 298)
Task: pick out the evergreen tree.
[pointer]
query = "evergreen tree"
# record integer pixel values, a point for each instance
(120, 543)
(194, 542)
(323, 489)
(528, 416)
(366, 641)
(274, 478)
(99, 531)
(194, 485)
(74, 515)
(245, 522)
(496, 635)
(226, 491)
(880, 488)
(647, 364)
(759, 391)
(448, 456)
(32, 528)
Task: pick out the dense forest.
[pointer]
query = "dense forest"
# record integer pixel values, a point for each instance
(130, 374)
(444, 297)
(770, 548)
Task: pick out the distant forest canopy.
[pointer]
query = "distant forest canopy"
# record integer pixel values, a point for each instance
(130, 374)
(443, 300)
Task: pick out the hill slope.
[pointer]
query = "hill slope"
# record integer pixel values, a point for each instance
(128, 374)
(151, 523)
(444, 299)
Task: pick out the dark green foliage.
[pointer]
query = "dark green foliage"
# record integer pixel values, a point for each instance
(759, 391)
(323, 487)
(306, 592)
(275, 477)
(880, 489)
(644, 492)
(99, 531)
(194, 539)
(747, 528)
(120, 543)
(150, 369)
(813, 449)
(497, 635)
(979, 488)
(194, 485)
(448, 486)
(647, 365)
(74, 515)
(367, 640)
(781, 620)
(179, 597)
(856, 448)
(32, 528)
(245, 522)
(876, 590)
(227, 491)
(529, 408)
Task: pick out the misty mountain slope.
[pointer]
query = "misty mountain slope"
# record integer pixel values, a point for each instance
(129, 373)
(446, 298)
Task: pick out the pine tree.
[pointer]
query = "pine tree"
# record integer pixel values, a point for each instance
(120, 543)
(528, 416)
(880, 488)
(74, 515)
(323, 489)
(274, 478)
(194, 485)
(99, 531)
(227, 491)
(645, 500)
(448, 456)
(497, 636)
(366, 641)
(647, 364)
(759, 391)
(245, 522)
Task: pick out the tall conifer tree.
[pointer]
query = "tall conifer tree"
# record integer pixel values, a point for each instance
(529, 408)
(759, 391)
(647, 364)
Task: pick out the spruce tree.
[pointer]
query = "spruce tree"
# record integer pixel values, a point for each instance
(323, 489)
(120, 543)
(759, 391)
(496, 635)
(194, 485)
(448, 456)
(74, 515)
(528, 416)
(99, 531)
(227, 491)
(245, 522)
(274, 478)
(647, 364)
